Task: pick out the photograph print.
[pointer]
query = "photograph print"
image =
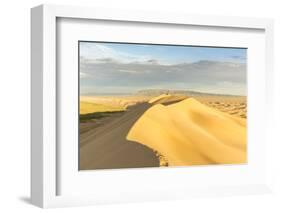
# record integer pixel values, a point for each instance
(159, 105)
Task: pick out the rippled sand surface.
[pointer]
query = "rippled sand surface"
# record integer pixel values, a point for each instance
(193, 132)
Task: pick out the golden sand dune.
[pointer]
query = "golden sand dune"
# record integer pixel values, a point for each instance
(115, 101)
(167, 99)
(191, 133)
(158, 98)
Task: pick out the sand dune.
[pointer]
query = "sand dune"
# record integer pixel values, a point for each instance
(115, 101)
(236, 106)
(191, 133)
(167, 99)
(159, 98)
(106, 147)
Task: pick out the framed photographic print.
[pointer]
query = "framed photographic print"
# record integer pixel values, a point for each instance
(151, 105)
(130, 106)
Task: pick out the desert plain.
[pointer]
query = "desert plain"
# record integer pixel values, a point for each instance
(161, 129)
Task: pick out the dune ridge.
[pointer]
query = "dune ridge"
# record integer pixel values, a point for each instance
(158, 98)
(191, 133)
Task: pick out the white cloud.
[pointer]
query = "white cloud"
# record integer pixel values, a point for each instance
(129, 71)
(98, 53)
(218, 77)
(104, 67)
(83, 75)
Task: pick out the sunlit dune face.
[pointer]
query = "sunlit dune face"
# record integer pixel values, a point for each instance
(91, 104)
(151, 105)
(191, 133)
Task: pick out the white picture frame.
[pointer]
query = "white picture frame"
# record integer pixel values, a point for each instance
(44, 150)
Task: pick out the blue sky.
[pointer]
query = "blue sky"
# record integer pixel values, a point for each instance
(123, 68)
(180, 54)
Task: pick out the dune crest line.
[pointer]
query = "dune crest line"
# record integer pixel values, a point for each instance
(191, 133)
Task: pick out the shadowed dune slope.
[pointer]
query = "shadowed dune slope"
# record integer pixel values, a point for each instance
(190, 133)
(167, 99)
(159, 98)
(106, 147)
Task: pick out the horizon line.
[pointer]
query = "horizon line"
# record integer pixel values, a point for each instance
(137, 92)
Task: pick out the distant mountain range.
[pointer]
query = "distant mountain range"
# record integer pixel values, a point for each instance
(190, 93)
(156, 92)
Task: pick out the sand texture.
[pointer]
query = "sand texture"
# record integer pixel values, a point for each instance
(165, 130)
(105, 146)
(191, 133)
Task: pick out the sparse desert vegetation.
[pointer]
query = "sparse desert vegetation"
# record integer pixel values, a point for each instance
(97, 110)
(233, 105)
(130, 113)
(89, 104)
(189, 132)
(87, 107)
(151, 105)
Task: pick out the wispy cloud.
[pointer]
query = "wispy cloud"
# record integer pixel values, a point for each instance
(108, 69)
(83, 75)
(100, 53)
(205, 73)
(129, 71)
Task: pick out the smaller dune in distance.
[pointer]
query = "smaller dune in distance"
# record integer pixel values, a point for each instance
(162, 128)
(188, 132)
